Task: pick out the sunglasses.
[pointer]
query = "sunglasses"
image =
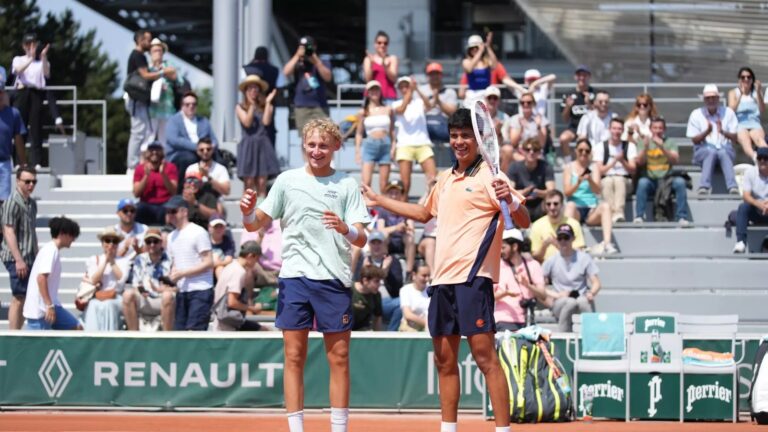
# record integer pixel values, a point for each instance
(30, 182)
(171, 211)
(382, 43)
(563, 238)
(128, 210)
(205, 150)
(111, 241)
(762, 159)
(152, 241)
(583, 151)
(745, 77)
(532, 150)
(492, 98)
(526, 103)
(641, 105)
(191, 180)
(553, 204)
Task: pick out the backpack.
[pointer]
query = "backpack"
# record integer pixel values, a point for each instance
(758, 393)
(606, 150)
(539, 386)
(138, 88)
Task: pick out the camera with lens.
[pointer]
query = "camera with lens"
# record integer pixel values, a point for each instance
(528, 303)
(529, 306)
(309, 45)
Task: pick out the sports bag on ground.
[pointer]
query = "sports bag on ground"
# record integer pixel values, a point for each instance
(758, 393)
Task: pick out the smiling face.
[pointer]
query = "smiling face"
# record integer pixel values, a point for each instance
(584, 152)
(526, 103)
(601, 102)
(554, 206)
(616, 129)
(26, 183)
(421, 277)
(319, 149)
(464, 145)
(189, 106)
(156, 53)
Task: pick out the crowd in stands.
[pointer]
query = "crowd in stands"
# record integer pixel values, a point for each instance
(171, 261)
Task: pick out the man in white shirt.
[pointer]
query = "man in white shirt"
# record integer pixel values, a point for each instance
(712, 128)
(615, 160)
(214, 175)
(594, 125)
(31, 72)
(189, 247)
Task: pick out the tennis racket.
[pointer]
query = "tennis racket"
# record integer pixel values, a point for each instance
(488, 145)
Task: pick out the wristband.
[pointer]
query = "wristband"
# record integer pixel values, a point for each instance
(250, 217)
(515, 202)
(352, 234)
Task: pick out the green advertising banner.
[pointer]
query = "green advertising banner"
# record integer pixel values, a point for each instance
(608, 391)
(708, 397)
(654, 396)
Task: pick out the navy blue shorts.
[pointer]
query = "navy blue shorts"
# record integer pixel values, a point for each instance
(193, 310)
(301, 301)
(461, 309)
(18, 286)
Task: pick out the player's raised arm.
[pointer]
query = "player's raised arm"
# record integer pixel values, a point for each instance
(253, 218)
(411, 211)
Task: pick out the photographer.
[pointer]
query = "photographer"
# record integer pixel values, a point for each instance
(309, 75)
(521, 284)
(573, 275)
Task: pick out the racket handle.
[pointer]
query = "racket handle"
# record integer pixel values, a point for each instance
(507, 218)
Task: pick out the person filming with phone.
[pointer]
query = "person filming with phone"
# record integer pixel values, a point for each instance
(310, 74)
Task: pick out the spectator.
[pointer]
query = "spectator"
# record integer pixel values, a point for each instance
(575, 105)
(189, 247)
(105, 273)
(414, 301)
(543, 238)
(309, 75)
(755, 206)
(573, 276)
(615, 163)
(637, 125)
(183, 131)
(539, 87)
(442, 103)
(382, 67)
(201, 206)
(366, 300)
(261, 67)
(141, 127)
(523, 126)
(746, 100)
(428, 241)
(214, 175)
(154, 182)
(492, 101)
(712, 128)
(232, 284)
(582, 186)
(31, 70)
(594, 124)
(42, 307)
(658, 154)
(132, 231)
(392, 279)
(163, 96)
(399, 230)
(222, 244)
(19, 243)
(11, 130)
(533, 177)
(521, 283)
(375, 148)
(482, 69)
(256, 158)
(151, 294)
(412, 142)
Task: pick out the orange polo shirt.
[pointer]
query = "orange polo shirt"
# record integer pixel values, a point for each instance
(468, 220)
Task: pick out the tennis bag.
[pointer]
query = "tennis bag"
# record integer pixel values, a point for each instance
(539, 387)
(758, 393)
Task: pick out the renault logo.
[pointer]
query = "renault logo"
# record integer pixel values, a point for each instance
(55, 373)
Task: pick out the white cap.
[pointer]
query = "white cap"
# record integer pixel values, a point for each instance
(474, 41)
(492, 91)
(371, 84)
(403, 79)
(513, 234)
(532, 74)
(710, 90)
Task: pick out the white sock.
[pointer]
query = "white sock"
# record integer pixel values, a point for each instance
(296, 421)
(447, 427)
(339, 419)
(502, 428)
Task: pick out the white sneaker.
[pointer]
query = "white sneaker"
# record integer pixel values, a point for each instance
(618, 218)
(703, 191)
(610, 249)
(638, 220)
(684, 222)
(598, 249)
(739, 248)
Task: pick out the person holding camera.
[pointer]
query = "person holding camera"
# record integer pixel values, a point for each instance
(573, 276)
(309, 74)
(520, 287)
(582, 186)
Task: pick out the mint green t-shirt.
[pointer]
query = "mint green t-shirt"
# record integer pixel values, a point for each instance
(311, 250)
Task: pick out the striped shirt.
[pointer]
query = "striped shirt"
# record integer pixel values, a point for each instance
(21, 215)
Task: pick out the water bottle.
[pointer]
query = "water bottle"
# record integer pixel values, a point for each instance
(589, 396)
(657, 353)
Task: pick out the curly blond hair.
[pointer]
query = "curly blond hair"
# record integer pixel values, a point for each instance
(326, 127)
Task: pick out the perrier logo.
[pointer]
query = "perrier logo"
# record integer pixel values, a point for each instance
(707, 391)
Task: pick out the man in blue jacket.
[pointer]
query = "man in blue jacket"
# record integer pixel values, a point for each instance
(182, 133)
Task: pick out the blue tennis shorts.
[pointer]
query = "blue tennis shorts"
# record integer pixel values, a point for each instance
(461, 309)
(302, 301)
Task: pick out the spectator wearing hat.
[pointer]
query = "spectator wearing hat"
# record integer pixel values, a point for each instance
(412, 143)
(133, 232)
(214, 175)
(189, 247)
(381, 66)
(713, 128)
(543, 232)
(398, 229)
(521, 284)
(222, 244)
(442, 103)
(162, 96)
(482, 69)
(526, 125)
(533, 177)
(261, 67)
(183, 132)
(573, 277)
(309, 76)
(151, 294)
(32, 70)
(391, 282)
(12, 127)
(755, 206)
(154, 182)
(233, 283)
(201, 205)
(493, 101)
(106, 273)
(19, 241)
(256, 158)
(539, 86)
(379, 129)
(575, 105)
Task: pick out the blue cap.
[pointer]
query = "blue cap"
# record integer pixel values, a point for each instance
(126, 202)
(175, 202)
(376, 235)
(583, 68)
